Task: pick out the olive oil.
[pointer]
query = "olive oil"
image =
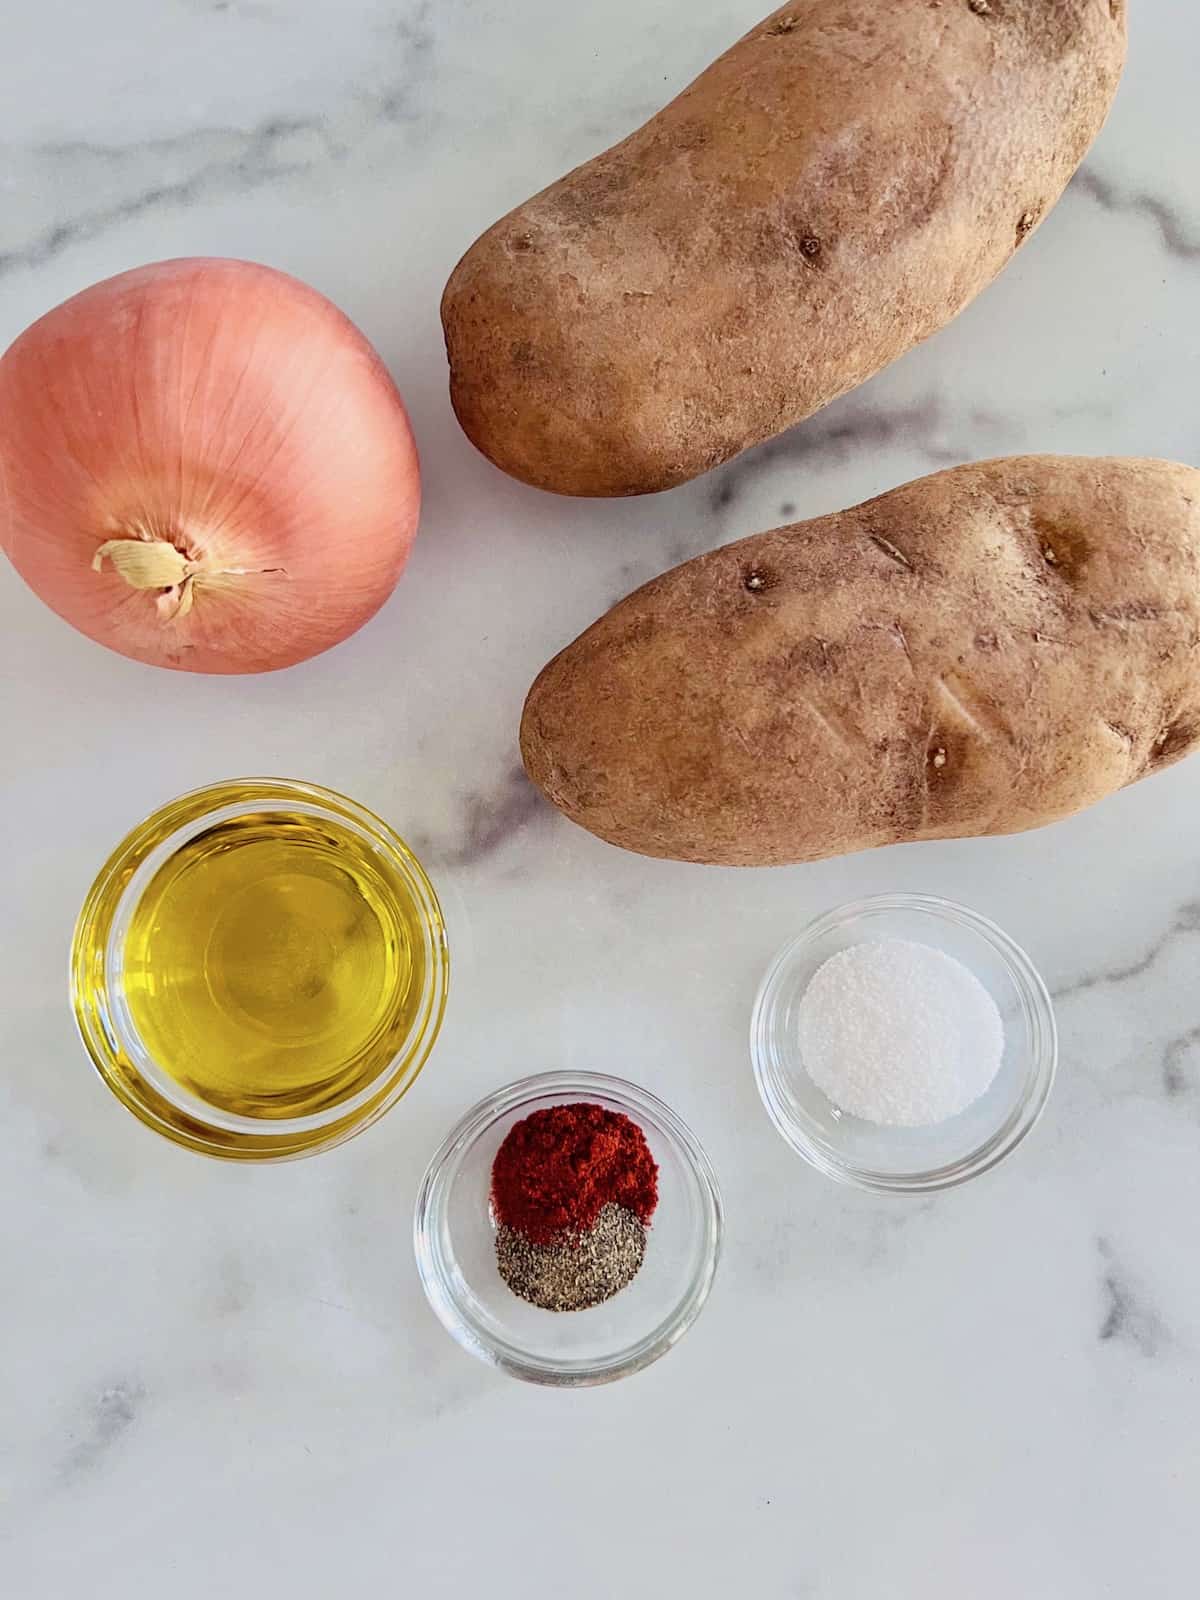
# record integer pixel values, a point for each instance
(260, 969)
(273, 965)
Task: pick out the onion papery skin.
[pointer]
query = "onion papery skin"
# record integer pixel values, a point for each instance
(235, 422)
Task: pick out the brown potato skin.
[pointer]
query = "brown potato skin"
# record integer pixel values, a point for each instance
(834, 189)
(980, 652)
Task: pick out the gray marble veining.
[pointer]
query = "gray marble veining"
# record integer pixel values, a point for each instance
(1128, 1317)
(1180, 235)
(221, 1381)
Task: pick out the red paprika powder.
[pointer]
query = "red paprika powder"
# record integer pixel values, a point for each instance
(558, 1168)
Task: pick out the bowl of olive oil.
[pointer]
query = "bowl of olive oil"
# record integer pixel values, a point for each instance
(260, 969)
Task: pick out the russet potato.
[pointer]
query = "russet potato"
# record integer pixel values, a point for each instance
(832, 190)
(980, 652)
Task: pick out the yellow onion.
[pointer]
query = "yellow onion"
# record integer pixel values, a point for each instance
(205, 465)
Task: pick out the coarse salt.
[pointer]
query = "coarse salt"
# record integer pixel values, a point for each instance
(899, 1034)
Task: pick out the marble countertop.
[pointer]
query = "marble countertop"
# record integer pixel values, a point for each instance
(227, 1382)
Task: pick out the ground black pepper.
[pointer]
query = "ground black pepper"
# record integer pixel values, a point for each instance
(577, 1271)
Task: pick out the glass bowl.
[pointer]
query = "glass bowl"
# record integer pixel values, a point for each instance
(454, 1237)
(103, 1014)
(906, 1160)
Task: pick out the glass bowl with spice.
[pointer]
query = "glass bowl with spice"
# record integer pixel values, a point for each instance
(568, 1229)
(903, 1044)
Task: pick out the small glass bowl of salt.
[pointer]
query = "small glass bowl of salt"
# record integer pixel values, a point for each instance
(903, 1044)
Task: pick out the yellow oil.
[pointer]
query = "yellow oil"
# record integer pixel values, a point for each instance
(274, 964)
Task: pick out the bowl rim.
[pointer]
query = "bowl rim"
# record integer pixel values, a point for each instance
(513, 1358)
(1022, 1117)
(99, 1028)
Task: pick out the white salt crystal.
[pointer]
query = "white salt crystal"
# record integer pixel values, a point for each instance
(899, 1033)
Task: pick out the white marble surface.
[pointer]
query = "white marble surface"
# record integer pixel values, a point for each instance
(227, 1382)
